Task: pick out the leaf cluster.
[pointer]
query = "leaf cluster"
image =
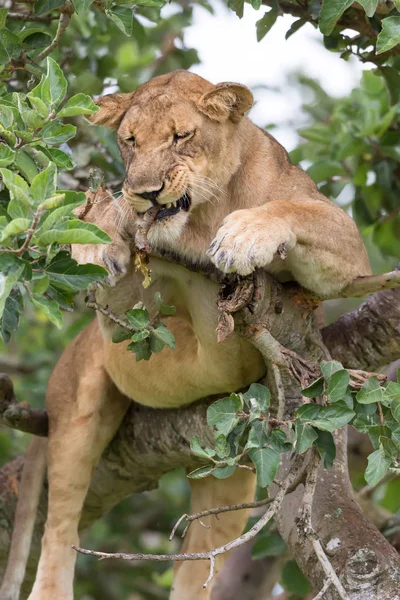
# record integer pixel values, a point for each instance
(246, 432)
(146, 335)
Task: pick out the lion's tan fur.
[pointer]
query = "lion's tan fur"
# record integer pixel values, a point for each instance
(246, 200)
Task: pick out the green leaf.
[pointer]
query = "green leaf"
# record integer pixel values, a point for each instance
(10, 263)
(294, 581)
(295, 27)
(45, 184)
(258, 395)
(256, 4)
(58, 157)
(395, 408)
(370, 392)
(82, 6)
(196, 448)
(237, 6)
(323, 170)
(40, 283)
(333, 417)
(164, 309)
(257, 436)
(201, 473)
(222, 446)
(222, 413)
(15, 227)
(223, 472)
(3, 17)
(10, 46)
(316, 133)
(13, 308)
(377, 468)
(305, 436)
(388, 447)
(326, 447)
(25, 165)
(140, 336)
(39, 106)
(138, 318)
(6, 155)
(268, 545)
(6, 116)
(66, 275)
(315, 389)
(19, 206)
(122, 16)
(141, 349)
(49, 308)
(7, 282)
(375, 432)
(265, 24)
(80, 104)
(56, 216)
(266, 462)
(338, 385)
(74, 232)
(121, 335)
(277, 439)
(331, 12)
(369, 6)
(31, 39)
(330, 367)
(392, 391)
(44, 6)
(389, 37)
(54, 133)
(161, 337)
(154, 3)
(308, 412)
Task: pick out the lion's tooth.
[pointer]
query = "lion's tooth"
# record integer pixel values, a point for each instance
(174, 203)
(168, 205)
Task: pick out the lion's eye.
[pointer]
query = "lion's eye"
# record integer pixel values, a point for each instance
(131, 140)
(185, 135)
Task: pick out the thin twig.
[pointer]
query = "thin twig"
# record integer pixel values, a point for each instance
(249, 535)
(30, 17)
(232, 507)
(104, 310)
(63, 23)
(327, 584)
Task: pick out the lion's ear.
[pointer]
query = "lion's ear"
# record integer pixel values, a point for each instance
(226, 101)
(112, 109)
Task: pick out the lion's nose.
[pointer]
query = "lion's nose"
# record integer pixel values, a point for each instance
(152, 196)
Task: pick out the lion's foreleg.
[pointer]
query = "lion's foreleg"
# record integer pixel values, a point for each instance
(190, 576)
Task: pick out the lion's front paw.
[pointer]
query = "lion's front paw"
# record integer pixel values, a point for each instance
(114, 257)
(248, 239)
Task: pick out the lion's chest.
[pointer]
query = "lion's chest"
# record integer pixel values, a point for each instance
(198, 366)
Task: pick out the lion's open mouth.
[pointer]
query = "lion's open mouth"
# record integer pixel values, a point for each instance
(172, 208)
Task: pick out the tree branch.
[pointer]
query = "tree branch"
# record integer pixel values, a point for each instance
(212, 554)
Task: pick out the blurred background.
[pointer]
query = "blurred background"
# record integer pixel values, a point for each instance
(336, 114)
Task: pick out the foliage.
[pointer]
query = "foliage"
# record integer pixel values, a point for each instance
(245, 431)
(149, 335)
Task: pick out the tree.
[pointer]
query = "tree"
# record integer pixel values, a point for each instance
(51, 53)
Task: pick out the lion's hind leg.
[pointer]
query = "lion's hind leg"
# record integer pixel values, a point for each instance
(85, 410)
(189, 576)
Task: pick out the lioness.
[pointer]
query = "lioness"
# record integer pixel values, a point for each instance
(228, 194)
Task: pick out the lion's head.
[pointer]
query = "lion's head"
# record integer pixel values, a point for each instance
(177, 136)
